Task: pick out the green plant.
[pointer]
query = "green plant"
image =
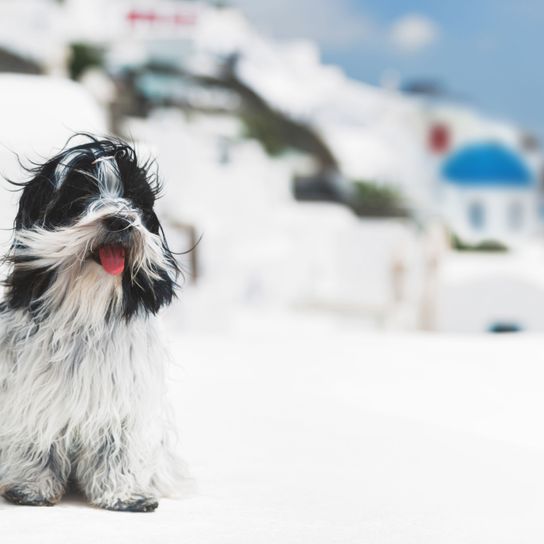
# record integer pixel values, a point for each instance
(491, 246)
(83, 56)
(371, 199)
(266, 129)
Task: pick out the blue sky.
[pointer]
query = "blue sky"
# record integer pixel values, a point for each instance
(485, 52)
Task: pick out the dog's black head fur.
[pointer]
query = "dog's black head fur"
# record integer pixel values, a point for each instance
(63, 190)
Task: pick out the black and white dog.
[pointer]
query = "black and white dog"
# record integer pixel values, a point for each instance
(82, 389)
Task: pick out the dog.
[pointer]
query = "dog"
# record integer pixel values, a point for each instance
(82, 366)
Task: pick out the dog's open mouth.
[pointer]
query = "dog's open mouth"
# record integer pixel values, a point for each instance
(112, 258)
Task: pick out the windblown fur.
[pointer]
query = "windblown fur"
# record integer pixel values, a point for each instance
(82, 384)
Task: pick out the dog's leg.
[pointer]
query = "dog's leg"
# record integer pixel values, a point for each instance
(37, 479)
(111, 479)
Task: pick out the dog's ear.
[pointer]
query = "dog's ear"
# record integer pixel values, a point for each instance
(37, 196)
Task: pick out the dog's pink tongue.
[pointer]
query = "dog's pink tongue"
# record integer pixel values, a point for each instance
(112, 258)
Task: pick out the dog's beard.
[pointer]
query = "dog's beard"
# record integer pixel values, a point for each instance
(64, 270)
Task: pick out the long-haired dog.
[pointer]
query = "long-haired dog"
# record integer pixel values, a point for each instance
(82, 388)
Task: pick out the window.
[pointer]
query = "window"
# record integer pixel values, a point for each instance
(476, 215)
(515, 215)
(499, 327)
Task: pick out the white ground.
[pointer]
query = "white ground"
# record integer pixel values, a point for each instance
(307, 435)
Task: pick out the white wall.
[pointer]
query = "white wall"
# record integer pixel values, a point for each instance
(478, 290)
(455, 202)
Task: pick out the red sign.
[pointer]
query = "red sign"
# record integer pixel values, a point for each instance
(134, 17)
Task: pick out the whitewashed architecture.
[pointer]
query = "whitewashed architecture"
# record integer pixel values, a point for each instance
(487, 192)
(502, 292)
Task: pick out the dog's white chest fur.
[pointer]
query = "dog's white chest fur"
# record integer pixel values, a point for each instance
(79, 375)
(84, 391)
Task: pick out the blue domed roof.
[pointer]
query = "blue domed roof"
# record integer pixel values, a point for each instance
(487, 164)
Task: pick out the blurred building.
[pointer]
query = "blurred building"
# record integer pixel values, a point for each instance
(497, 292)
(487, 192)
(242, 124)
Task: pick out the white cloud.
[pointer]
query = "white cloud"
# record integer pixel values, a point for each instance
(412, 33)
(331, 23)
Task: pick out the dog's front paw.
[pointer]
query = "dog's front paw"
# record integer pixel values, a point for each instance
(136, 503)
(28, 496)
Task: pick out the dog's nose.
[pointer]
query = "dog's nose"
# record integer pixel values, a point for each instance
(114, 223)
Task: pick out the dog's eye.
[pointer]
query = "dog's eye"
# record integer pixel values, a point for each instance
(66, 211)
(143, 200)
(71, 201)
(150, 221)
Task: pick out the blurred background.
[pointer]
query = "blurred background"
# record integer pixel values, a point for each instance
(345, 164)
(363, 185)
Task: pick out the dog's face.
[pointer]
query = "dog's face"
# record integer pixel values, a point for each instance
(86, 233)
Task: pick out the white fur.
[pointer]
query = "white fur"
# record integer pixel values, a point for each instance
(81, 394)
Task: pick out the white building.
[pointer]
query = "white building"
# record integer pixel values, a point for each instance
(487, 192)
(38, 115)
(482, 292)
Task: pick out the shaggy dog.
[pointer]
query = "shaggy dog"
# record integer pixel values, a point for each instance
(82, 389)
